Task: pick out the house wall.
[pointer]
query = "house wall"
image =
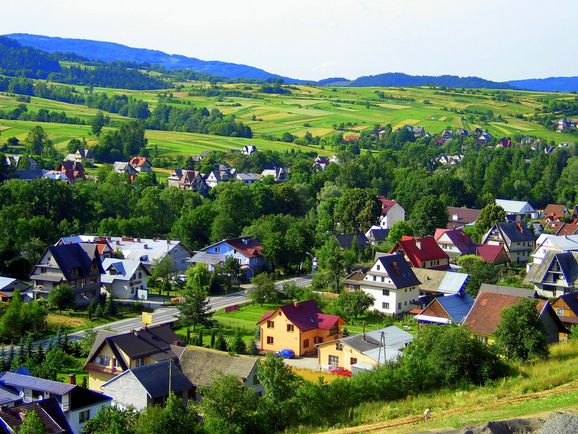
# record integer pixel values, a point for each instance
(519, 252)
(73, 416)
(344, 355)
(95, 378)
(281, 337)
(395, 214)
(127, 391)
(552, 330)
(399, 300)
(435, 309)
(562, 309)
(180, 256)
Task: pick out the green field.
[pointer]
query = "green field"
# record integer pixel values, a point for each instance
(320, 110)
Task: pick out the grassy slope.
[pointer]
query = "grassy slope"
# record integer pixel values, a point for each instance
(315, 109)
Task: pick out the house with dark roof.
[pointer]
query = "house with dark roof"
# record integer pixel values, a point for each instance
(47, 410)
(141, 164)
(518, 240)
(246, 250)
(143, 386)
(460, 217)
(422, 252)
(320, 163)
(78, 404)
(486, 313)
(555, 275)
(298, 326)
(77, 265)
(392, 284)
(454, 242)
(126, 168)
(73, 170)
(376, 234)
(202, 366)
(391, 212)
(188, 180)
(125, 279)
(113, 353)
(8, 285)
(364, 351)
(566, 307)
(350, 241)
(449, 309)
(279, 174)
(508, 290)
(248, 149)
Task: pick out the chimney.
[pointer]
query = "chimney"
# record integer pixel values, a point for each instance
(21, 414)
(295, 304)
(146, 246)
(418, 244)
(72, 379)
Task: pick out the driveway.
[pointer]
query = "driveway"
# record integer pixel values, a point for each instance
(303, 363)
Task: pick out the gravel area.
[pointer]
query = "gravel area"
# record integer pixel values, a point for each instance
(560, 424)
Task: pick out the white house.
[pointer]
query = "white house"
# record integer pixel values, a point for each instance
(515, 207)
(392, 284)
(125, 279)
(391, 212)
(249, 149)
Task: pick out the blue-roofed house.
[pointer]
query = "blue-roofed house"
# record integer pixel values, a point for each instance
(148, 385)
(364, 351)
(125, 279)
(449, 309)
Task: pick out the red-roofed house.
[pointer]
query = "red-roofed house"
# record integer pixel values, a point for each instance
(141, 164)
(454, 242)
(299, 327)
(422, 253)
(391, 212)
(492, 254)
(486, 314)
(554, 212)
(246, 250)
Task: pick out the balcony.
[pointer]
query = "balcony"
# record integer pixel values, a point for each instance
(95, 367)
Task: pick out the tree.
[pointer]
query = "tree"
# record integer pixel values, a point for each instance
(236, 344)
(195, 309)
(353, 304)
(264, 289)
(428, 214)
(490, 215)
(479, 271)
(61, 297)
(398, 230)
(161, 273)
(170, 418)
(357, 210)
(228, 407)
(32, 424)
(331, 264)
(112, 420)
(36, 141)
(520, 334)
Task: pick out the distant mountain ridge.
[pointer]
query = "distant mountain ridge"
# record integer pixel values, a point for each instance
(110, 51)
(404, 80)
(550, 84)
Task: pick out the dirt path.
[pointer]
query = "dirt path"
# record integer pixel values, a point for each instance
(391, 424)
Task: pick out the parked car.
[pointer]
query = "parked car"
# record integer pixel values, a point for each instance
(338, 370)
(286, 353)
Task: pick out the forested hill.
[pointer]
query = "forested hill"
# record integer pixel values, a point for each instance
(551, 84)
(406, 80)
(110, 52)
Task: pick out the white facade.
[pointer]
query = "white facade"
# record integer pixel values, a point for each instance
(394, 214)
(78, 417)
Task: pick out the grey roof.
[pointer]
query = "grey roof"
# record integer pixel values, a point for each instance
(346, 241)
(513, 206)
(369, 344)
(9, 395)
(378, 235)
(508, 290)
(20, 381)
(453, 282)
(6, 282)
(125, 268)
(29, 174)
(208, 258)
(516, 232)
(155, 378)
(568, 262)
(248, 176)
(202, 365)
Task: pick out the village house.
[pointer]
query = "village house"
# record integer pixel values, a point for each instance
(78, 404)
(104, 249)
(83, 156)
(392, 284)
(492, 254)
(376, 234)
(486, 313)
(422, 252)
(566, 307)
(320, 164)
(7, 287)
(278, 173)
(245, 250)
(125, 279)
(555, 275)
(141, 164)
(454, 242)
(144, 386)
(440, 282)
(352, 241)
(298, 326)
(48, 411)
(72, 170)
(516, 238)
(220, 174)
(248, 178)
(391, 212)
(249, 149)
(203, 366)
(77, 265)
(364, 351)
(554, 243)
(126, 168)
(188, 180)
(449, 309)
(113, 353)
(555, 212)
(516, 209)
(460, 217)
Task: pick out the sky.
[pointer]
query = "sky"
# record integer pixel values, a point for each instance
(313, 39)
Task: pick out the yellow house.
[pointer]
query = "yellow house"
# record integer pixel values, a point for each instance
(111, 354)
(298, 326)
(364, 351)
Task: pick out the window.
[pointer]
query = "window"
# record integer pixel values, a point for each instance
(317, 340)
(385, 305)
(374, 278)
(385, 292)
(399, 305)
(217, 250)
(270, 340)
(382, 279)
(306, 343)
(270, 324)
(290, 328)
(140, 362)
(339, 346)
(84, 415)
(352, 361)
(560, 311)
(378, 266)
(334, 360)
(103, 360)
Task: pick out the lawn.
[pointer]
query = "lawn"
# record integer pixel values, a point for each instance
(71, 321)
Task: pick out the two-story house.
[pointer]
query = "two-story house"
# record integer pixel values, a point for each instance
(555, 275)
(126, 168)
(518, 240)
(391, 212)
(245, 250)
(298, 326)
(188, 180)
(78, 404)
(454, 242)
(278, 173)
(515, 208)
(392, 284)
(77, 265)
(422, 252)
(125, 279)
(141, 164)
(365, 351)
(72, 170)
(111, 354)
